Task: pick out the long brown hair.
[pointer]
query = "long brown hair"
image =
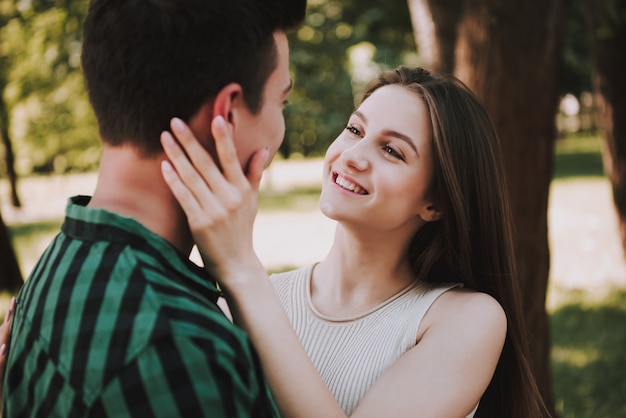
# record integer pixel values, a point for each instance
(472, 244)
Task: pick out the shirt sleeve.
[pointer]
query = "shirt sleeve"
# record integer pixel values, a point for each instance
(184, 377)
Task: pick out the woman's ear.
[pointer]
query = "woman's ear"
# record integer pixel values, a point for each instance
(430, 213)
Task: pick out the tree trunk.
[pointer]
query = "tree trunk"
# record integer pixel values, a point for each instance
(10, 275)
(608, 31)
(435, 28)
(508, 53)
(9, 156)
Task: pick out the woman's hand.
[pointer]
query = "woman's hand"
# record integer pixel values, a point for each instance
(220, 205)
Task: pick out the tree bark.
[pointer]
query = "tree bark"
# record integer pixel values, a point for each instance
(608, 34)
(10, 276)
(509, 54)
(9, 156)
(435, 25)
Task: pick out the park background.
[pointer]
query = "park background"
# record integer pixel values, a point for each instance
(50, 150)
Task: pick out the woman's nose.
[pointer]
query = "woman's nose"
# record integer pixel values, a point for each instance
(356, 157)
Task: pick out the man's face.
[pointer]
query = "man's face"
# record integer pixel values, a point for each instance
(266, 129)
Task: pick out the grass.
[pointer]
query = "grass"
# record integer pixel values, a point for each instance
(578, 156)
(295, 199)
(589, 358)
(30, 240)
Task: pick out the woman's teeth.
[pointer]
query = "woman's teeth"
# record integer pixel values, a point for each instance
(348, 185)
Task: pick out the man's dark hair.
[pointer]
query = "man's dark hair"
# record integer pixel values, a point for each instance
(146, 61)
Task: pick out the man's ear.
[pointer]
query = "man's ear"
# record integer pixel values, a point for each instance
(430, 213)
(227, 99)
(228, 102)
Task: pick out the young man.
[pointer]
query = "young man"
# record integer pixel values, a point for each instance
(114, 319)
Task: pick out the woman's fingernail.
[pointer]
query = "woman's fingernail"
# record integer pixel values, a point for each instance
(166, 139)
(12, 304)
(3, 348)
(178, 124)
(220, 122)
(166, 167)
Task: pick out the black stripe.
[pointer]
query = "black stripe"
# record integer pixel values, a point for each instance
(185, 292)
(26, 294)
(197, 279)
(123, 328)
(134, 392)
(179, 382)
(42, 359)
(54, 390)
(179, 313)
(223, 379)
(75, 269)
(91, 313)
(45, 289)
(16, 372)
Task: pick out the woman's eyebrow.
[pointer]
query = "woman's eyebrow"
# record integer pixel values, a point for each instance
(392, 133)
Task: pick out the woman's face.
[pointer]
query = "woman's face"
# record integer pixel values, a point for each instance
(378, 171)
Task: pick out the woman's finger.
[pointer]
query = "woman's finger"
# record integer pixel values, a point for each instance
(182, 194)
(257, 164)
(186, 184)
(226, 151)
(202, 161)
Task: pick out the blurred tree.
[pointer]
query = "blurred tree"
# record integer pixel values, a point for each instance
(342, 44)
(7, 13)
(608, 30)
(576, 77)
(509, 53)
(39, 70)
(9, 155)
(10, 275)
(435, 24)
(52, 123)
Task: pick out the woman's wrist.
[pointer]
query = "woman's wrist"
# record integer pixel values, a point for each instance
(246, 276)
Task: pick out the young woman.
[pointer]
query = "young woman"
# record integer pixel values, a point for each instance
(415, 310)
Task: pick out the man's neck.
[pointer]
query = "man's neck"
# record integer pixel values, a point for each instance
(132, 185)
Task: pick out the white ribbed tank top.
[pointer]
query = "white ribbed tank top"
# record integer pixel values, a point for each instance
(351, 353)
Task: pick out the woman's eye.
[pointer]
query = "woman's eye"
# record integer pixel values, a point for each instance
(353, 129)
(389, 150)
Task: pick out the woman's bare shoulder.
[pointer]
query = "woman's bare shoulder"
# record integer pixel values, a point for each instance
(474, 312)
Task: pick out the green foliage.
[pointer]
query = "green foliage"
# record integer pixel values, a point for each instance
(342, 44)
(612, 14)
(589, 358)
(576, 61)
(52, 125)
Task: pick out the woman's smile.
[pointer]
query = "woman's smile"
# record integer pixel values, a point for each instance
(348, 184)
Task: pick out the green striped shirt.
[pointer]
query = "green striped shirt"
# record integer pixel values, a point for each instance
(113, 321)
